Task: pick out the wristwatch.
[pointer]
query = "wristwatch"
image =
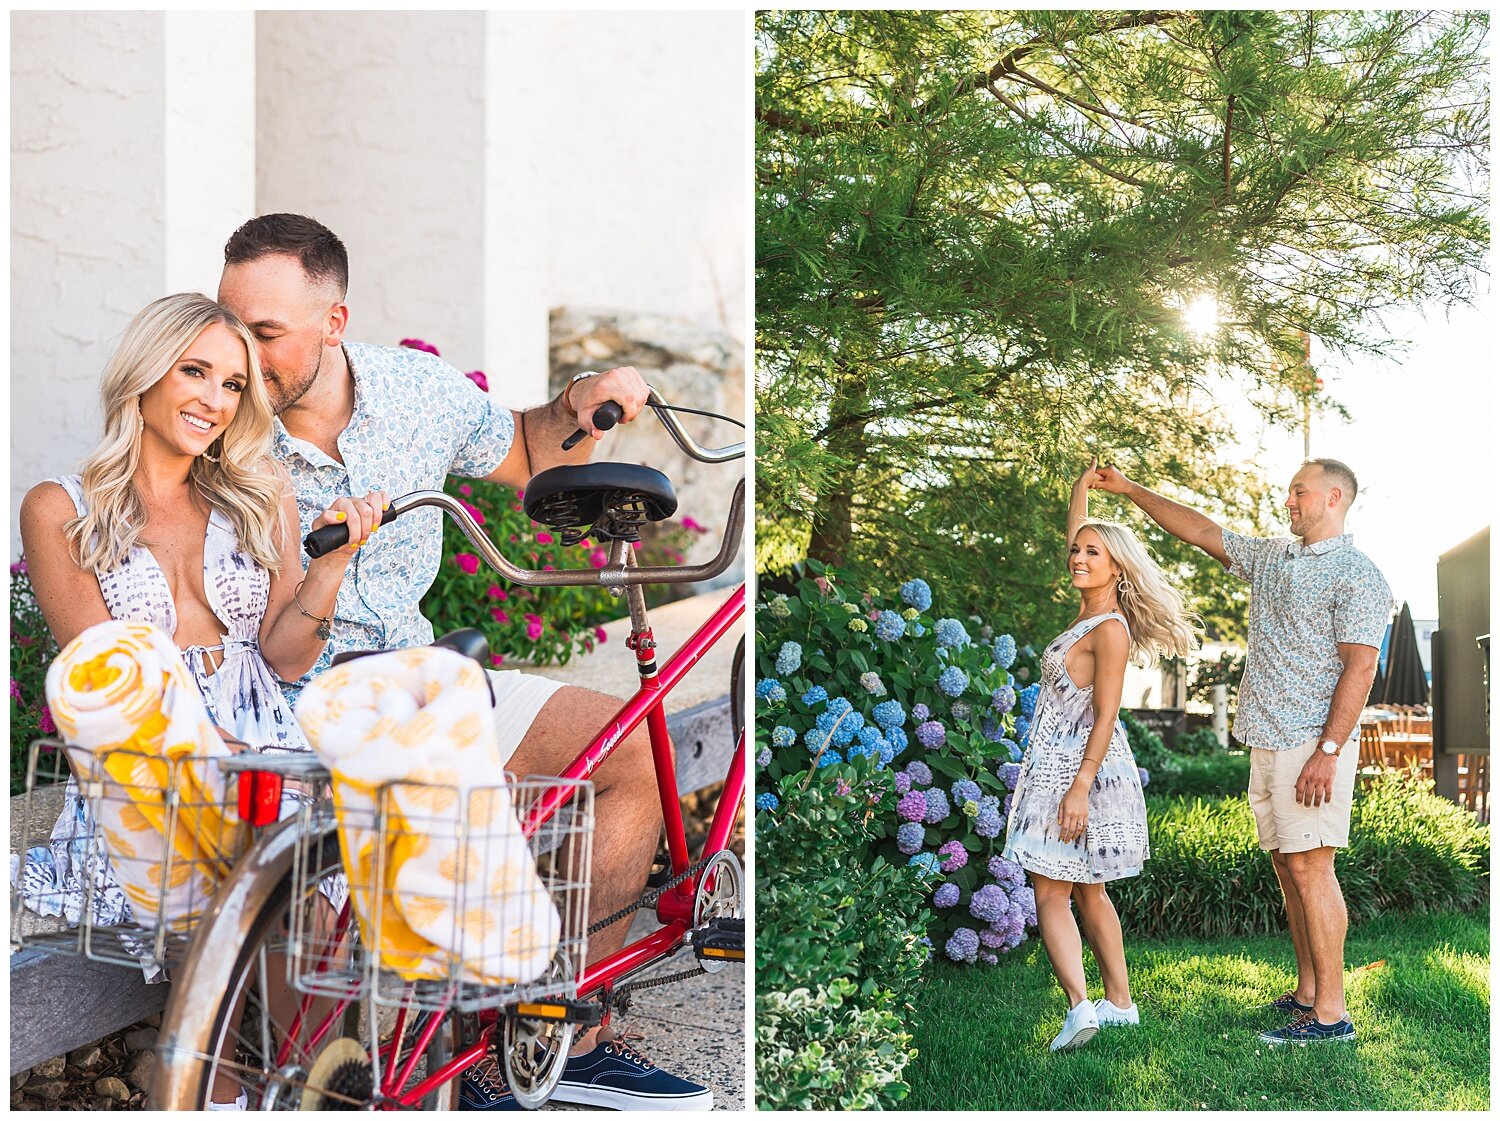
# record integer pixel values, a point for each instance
(1328, 747)
(568, 390)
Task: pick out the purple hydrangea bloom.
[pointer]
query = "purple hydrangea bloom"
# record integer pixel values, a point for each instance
(1010, 774)
(912, 806)
(945, 896)
(870, 682)
(992, 938)
(950, 632)
(937, 805)
(961, 710)
(966, 790)
(782, 736)
(1145, 776)
(920, 772)
(1005, 651)
(1023, 901)
(954, 854)
(909, 837)
(1003, 699)
(989, 904)
(903, 782)
(916, 593)
(931, 734)
(1007, 873)
(764, 758)
(920, 712)
(816, 695)
(963, 946)
(1014, 939)
(987, 958)
(987, 822)
(1005, 809)
(993, 730)
(890, 626)
(952, 682)
(789, 658)
(889, 714)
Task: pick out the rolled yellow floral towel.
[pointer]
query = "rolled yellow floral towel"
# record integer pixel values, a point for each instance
(135, 726)
(450, 888)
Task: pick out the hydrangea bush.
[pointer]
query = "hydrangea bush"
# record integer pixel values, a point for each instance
(879, 690)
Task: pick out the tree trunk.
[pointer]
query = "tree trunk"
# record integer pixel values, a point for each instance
(833, 525)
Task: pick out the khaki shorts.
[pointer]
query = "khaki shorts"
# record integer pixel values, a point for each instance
(1282, 824)
(519, 698)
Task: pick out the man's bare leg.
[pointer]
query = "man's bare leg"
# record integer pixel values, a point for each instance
(627, 807)
(1307, 988)
(1327, 922)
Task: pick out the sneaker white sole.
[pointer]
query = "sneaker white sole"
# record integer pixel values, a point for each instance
(1080, 1037)
(627, 1100)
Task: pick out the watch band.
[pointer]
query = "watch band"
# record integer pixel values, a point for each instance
(567, 393)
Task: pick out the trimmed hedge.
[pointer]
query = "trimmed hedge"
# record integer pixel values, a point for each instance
(1202, 776)
(1207, 876)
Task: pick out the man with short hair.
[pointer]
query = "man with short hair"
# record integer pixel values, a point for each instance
(1318, 611)
(382, 421)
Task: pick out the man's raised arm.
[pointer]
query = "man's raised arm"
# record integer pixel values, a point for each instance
(1182, 522)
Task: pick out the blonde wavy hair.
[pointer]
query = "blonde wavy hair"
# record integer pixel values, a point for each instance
(242, 484)
(1160, 624)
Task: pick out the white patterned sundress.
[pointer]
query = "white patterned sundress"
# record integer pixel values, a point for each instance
(1114, 844)
(242, 697)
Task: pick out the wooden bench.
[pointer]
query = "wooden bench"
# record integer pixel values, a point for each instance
(58, 1003)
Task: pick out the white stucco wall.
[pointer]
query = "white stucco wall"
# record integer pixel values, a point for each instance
(617, 173)
(375, 126)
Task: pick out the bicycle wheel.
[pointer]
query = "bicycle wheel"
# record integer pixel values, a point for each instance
(233, 1024)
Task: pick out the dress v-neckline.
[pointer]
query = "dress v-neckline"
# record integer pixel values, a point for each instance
(208, 598)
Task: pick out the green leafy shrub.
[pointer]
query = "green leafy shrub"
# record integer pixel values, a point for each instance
(1207, 876)
(1149, 749)
(1200, 741)
(819, 1048)
(1202, 776)
(31, 652)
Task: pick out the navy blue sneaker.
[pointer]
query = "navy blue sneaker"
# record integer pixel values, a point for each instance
(1288, 1004)
(1306, 1029)
(615, 1076)
(484, 1087)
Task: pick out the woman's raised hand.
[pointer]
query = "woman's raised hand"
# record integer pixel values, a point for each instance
(1087, 480)
(361, 515)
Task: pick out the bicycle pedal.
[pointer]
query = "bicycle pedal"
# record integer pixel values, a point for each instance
(584, 1012)
(721, 939)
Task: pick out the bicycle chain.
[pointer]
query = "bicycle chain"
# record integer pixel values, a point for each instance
(650, 897)
(619, 996)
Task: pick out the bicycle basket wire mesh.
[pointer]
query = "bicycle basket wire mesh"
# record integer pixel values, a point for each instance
(450, 906)
(120, 852)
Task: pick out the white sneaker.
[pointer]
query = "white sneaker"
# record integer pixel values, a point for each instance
(1081, 1025)
(240, 1104)
(1110, 1014)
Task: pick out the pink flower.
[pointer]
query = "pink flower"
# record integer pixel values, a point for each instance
(533, 631)
(497, 659)
(418, 344)
(19, 568)
(600, 634)
(44, 722)
(468, 562)
(498, 615)
(473, 511)
(544, 538)
(497, 592)
(598, 558)
(548, 567)
(15, 691)
(688, 523)
(822, 583)
(478, 378)
(635, 544)
(520, 494)
(537, 619)
(465, 489)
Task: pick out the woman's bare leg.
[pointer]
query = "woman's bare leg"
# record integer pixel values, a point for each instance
(1101, 925)
(1060, 935)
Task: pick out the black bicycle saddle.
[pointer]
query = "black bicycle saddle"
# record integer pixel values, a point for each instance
(607, 501)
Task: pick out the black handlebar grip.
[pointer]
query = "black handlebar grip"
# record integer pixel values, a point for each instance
(606, 416)
(330, 537)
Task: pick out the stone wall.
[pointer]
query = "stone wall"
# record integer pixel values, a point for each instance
(689, 365)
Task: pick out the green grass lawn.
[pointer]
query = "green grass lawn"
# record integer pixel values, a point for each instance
(1423, 1020)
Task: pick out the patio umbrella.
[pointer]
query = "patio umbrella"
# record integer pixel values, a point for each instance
(1377, 687)
(1405, 681)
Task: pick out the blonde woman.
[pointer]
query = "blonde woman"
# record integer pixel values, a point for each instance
(180, 519)
(1078, 818)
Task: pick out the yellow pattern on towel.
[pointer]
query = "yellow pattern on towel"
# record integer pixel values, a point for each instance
(132, 718)
(410, 732)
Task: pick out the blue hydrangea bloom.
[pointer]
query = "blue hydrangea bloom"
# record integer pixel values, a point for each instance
(966, 790)
(869, 736)
(890, 626)
(988, 822)
(909, 837)
(829, 758)
(789, 658)
(889, 714)
(937, 805)
(963, 946)
(766, 801)
(1014, 749)
(927, 863)
(916, 593)
(950, 632)
(945, 896)
(814, 696)
(1003, 699)
(1005, 651)
(952, 682)
(931, 734)
(771, 691)
(1023, 730)
(838, 706)
(782, 736)
(989, 903)
(1010, 773)
(896, 737)
(887, 753)
(920, 712)
(764, 758)
(1028, 699)
(918, 630)
(920, 772)
(1145, 776)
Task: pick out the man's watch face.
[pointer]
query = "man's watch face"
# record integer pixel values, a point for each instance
(1329, 747)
